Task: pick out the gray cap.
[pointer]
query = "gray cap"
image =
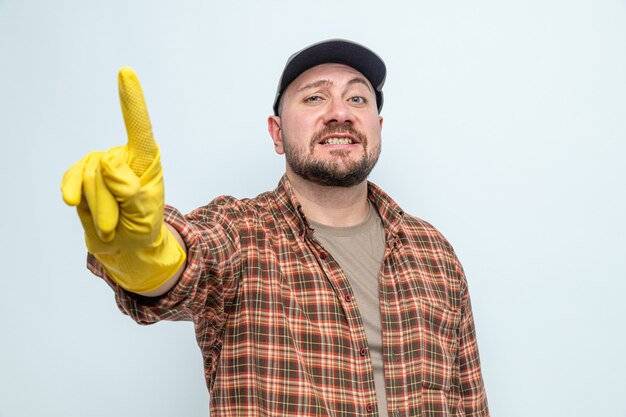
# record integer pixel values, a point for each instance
(338, 51)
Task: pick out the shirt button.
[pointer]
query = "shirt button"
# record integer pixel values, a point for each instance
(369, 408)
(323, 255)
(363, 351)
(348, 297)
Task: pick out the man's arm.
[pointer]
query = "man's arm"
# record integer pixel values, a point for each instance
(471, 380)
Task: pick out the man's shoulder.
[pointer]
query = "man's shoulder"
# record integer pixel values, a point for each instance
(279, 198)
(267, 207)
(395, 216)
(231, 206)
(418, 227)
(230, 202)
(414, 222)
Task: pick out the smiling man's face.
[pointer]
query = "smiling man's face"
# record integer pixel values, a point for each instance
(329, 126)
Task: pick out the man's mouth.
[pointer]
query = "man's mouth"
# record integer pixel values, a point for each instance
(338, 138)
(337, 141)
(339, 135)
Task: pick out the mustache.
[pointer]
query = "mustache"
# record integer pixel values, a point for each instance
(339, 128)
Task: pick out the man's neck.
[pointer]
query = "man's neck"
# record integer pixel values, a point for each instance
(331, 206)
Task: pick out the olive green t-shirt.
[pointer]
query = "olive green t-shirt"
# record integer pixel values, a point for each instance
(359, 251)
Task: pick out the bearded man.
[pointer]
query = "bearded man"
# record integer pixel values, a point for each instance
(320, 298)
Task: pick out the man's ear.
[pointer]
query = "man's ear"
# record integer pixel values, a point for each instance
(274, 128)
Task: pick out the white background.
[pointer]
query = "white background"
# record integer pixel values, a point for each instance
(505, 126)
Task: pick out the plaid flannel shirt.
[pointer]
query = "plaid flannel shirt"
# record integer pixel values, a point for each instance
(279, 328)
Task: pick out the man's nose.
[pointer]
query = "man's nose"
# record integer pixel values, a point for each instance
(338, 111)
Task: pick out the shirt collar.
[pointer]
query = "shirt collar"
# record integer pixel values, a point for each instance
(389, 211)
(291, 209)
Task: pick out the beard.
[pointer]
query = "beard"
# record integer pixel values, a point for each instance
(339, 172)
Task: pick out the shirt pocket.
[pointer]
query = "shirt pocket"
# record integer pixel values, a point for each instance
(438, 345)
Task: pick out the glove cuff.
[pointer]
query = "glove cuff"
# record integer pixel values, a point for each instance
(145, 269)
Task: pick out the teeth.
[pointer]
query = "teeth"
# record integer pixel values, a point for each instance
(338, 141)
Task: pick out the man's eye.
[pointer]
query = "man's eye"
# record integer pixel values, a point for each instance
(312, 99)
(357, 100)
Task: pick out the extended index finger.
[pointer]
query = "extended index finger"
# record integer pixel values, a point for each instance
(142, 147)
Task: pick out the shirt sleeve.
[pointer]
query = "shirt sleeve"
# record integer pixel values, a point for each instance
(210, 234)
(472, 388)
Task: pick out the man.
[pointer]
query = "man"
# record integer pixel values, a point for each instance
(320, 298)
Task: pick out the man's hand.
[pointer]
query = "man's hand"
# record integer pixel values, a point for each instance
(119, 199)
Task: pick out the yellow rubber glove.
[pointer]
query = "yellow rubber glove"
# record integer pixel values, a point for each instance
(119, 198)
